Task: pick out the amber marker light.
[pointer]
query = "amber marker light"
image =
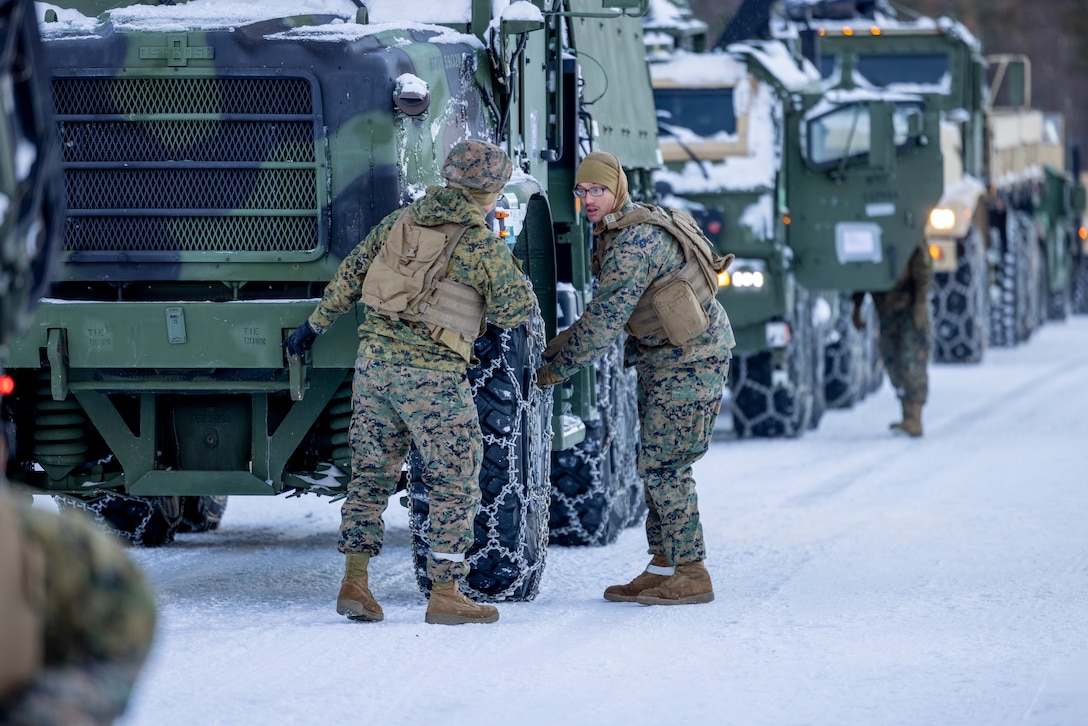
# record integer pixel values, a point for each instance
(1083, 232)
(935, 252)
(848, 31)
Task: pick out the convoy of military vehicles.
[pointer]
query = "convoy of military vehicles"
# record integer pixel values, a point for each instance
(210, 173)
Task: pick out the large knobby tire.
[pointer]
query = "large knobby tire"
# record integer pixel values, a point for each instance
(507, 558)
(596, 491)
(201, 514)
(1014, 300)
(1059, 303)
(960, 303)
(1079, 292)
(147, 521)
(770, 400)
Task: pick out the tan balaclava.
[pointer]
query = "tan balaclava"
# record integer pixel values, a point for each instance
(604, 169)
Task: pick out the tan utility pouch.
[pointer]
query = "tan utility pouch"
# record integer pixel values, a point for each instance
(680, 312)
(405, 267)
(22, 585)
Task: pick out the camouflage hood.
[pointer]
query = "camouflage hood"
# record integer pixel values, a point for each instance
(444, 205)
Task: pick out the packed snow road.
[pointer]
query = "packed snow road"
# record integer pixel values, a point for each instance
(861, 578)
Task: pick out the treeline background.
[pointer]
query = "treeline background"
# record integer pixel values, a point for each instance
(1052, 33)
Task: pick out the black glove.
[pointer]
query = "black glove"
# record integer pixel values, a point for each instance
(301, 340)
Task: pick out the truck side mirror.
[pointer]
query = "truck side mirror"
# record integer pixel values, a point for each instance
(518, 25)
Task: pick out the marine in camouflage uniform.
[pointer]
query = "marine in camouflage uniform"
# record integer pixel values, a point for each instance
(411, 388)
(906, 337)
(76, 619)
(679, 386)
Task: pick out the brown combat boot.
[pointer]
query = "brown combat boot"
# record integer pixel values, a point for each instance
(655, 573)
(912, 420)
(691, 584)
(448, 606)
(354, 599)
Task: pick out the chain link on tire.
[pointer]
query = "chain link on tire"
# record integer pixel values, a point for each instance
(506, 561)
(148, 521)
(596, 492)
(765, 407)
(960, 302)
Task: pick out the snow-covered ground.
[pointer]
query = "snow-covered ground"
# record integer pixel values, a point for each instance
(861, 578)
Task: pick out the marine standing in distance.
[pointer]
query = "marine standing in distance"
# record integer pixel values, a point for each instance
(906, 337)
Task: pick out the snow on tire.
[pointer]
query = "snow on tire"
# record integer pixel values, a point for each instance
(507, 559)
(596, 491)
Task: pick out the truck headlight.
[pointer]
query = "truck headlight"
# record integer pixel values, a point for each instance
(746, 275)
(942, 219)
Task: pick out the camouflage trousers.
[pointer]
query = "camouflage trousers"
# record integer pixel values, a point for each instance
(677, 409)
(393, 407)
(904, 348)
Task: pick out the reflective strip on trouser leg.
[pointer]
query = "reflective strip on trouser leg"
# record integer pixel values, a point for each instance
(379, 444)
(675, 433)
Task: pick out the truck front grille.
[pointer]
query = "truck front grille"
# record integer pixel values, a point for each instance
(176, 168)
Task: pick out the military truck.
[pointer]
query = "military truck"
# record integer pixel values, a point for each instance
(1001, 232)
(721, 135)
(217, 170)
(824, 202)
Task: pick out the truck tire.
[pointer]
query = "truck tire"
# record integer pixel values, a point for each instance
(595, 488)
(1014, 300)
(201, 514)
(770, 400)
(1059, 303)
(1079, 293)
(148, 521)
(959, 305)
(506, 560)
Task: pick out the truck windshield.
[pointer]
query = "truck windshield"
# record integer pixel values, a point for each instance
(882, 70)
(845, 132)
(703, 111)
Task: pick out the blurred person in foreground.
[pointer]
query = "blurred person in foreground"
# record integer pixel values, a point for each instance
(657, 282)
(411, 384)
(76, 619)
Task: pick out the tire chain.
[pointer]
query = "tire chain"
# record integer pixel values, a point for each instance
(535, 406)
(103, 502)
(619, 501)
